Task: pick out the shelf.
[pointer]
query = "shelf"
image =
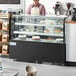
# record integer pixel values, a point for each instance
(3, 30)
(3, 42)
(35, 33)
(42, 17)
(4, 16)
(41, 40)
(31, 24)
(17, 23)
(4, 54)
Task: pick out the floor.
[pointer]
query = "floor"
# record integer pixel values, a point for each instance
(42, 69)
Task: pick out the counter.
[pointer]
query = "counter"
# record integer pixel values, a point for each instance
(71, 22)
(70, 41)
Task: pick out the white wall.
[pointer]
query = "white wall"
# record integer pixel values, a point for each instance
(25, 3)
(49, 4)
(13, 6)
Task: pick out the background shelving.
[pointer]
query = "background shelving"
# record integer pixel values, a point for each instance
(4, 33)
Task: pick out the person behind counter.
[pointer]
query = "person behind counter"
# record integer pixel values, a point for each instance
(36, 8)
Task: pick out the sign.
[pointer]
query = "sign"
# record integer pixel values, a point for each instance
(9, 1)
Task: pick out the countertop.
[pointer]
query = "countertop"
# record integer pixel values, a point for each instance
(72, 22)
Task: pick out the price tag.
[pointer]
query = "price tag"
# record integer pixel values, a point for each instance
(12, 43)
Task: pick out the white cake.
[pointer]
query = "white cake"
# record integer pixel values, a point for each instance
(22, 36)
(36, 37)
(42, 22)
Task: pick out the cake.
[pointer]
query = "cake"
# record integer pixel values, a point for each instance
(42, 22)
(58, 31)
(35, 37)
(22, 36)
(46, 31)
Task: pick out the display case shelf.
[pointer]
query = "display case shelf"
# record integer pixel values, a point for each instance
(41, 40)
(4, 42)
(4, 15)
(41, 17)
(31, 24)
(4, 54)
(4, 30)
(36, 33)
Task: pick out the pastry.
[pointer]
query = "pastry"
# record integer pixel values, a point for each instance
(5, 37)
(5, 26)
(57, 31)
(35, 37)
(49, 38)
(46, 31)
(22, 36)
(42, 22)
(4, 49)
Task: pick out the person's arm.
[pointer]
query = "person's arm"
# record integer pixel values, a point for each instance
(42, 10)
(29, 10)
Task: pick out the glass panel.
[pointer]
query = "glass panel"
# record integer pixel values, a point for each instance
(38, 28)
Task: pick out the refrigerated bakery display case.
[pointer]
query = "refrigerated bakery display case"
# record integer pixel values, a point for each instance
(38, 38)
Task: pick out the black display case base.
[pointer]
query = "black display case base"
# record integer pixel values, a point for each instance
(70, 64)
(27, 51)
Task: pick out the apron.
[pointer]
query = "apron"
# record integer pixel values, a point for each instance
(35, 11)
